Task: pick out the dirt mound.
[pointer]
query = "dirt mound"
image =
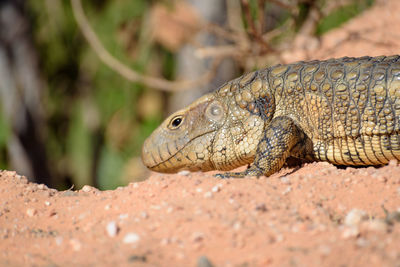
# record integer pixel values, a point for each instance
(318, 215)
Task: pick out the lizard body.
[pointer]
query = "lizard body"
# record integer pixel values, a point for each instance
(345, 111)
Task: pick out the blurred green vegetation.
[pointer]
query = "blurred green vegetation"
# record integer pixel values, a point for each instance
(339, 16)
(96, 120)
(94, 128)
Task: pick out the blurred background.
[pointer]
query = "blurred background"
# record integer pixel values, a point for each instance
(83, 84)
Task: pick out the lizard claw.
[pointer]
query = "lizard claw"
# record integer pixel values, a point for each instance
(221, 176)
(249, 172)
(227, 175)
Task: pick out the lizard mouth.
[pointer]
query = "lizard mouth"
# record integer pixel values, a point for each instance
(151, 162)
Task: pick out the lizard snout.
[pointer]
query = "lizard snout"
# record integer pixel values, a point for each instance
(147, 154)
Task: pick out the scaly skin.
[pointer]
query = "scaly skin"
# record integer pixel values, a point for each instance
(345, 111)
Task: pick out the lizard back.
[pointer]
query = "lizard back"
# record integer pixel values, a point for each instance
(348, 107)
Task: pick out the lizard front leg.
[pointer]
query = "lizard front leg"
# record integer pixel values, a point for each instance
(280, 136)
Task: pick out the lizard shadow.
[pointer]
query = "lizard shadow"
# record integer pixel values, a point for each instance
(296, 164)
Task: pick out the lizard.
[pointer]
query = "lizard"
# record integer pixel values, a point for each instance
(345, 111)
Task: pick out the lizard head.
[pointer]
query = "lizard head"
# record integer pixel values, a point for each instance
(213, 133)
(182, 141)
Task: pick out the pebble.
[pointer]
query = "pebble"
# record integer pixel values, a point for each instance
(362, 242)
(350, 232)
(170, 209)
(165, 241)
(86, 188)
(354, 217)
(123, 216)
(131, 238)
(75, 244)
(59, 240)
(216, 188)
(197, 236)
(237, 226)
(279, 238)
(52, 213)
(261, 207)
(112, 229)
(285, 180)
(41, 186)
(208, 194)
(31, 212)
(184, 173)
(287, 190)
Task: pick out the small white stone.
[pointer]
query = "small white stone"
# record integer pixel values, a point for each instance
(208, 194)
(59, 240)
(362, 242)
(131, 238)
(41, 186)
(86, 188)
(287, 190)
(285, 180)
(31, 212)
(184, 173)
(75, 244)
(47, 203)
(350, 232)
(354, 217)
(216, 188)
(124, 216)
(112, 229)
(237, 226)
(165, 241)
(170, 209)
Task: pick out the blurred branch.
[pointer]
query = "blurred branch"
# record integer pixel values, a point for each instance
(283, 5)
(124, 70)
(254, 32)
(218, 51)
(221, 32)
(260, 21)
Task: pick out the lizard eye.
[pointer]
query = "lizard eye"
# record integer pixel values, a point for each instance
(175, 122)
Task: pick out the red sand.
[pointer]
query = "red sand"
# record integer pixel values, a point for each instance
(318, 215)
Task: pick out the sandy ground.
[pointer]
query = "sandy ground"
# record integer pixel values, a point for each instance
(317, 215)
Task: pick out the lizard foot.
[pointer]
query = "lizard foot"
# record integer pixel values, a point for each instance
(248, 172)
